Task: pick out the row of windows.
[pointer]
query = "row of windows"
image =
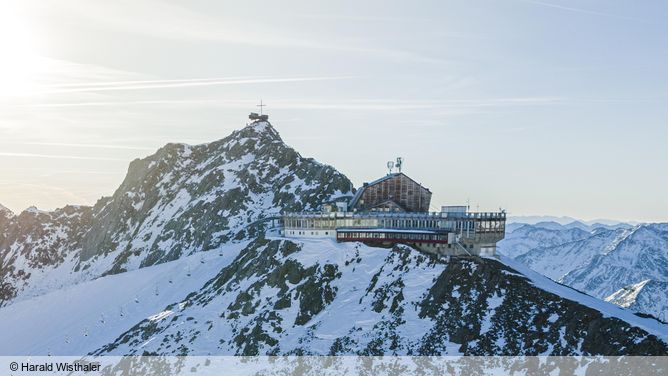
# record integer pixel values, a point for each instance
(306, 233)
(391, 236)
(436, 224)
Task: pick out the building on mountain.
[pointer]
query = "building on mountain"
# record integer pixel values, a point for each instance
(395, 209)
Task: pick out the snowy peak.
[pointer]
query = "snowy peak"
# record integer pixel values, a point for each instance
(185, 199)
(5, 216)
(178, 201)
(261, 129)
(648, 296)
(4, 211)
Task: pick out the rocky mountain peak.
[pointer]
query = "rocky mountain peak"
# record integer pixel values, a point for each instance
(5, 212)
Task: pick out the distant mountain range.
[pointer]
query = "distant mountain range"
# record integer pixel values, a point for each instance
(535, 219)
(606, 261)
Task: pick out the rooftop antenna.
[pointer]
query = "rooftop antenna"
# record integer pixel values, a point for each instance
(261, 106)
(399, 162)
(390, 166)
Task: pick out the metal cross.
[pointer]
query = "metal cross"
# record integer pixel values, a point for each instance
(261, 106)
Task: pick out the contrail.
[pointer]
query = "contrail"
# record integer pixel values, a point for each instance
(52, 156)
(196, 83)
(94, 146)
(579, 10)
(134, 82)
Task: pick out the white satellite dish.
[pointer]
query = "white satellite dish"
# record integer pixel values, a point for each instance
(390, 166)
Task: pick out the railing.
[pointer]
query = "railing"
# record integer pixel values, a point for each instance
(400, 215)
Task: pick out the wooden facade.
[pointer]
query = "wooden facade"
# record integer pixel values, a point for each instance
(392, 193)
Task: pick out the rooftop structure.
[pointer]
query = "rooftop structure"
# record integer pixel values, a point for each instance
(395, 192)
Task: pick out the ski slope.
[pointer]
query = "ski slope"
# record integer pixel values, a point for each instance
(81, 318)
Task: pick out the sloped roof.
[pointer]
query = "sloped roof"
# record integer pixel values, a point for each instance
(360, 191)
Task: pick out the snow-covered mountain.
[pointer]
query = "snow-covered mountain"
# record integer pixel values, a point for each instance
(650, 297)
(635, 255)
(524, 238)
(275, 296)
(175, 262)
(567, 250)
(603, 261)
(180, 200)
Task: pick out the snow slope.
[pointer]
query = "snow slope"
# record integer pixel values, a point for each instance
(79, 318)
(648, 296)
(609, 309)
(321, 297)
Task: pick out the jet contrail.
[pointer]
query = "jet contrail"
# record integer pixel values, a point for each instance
(196, 83)
(52, 156)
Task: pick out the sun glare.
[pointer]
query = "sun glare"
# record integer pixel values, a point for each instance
(20, 63)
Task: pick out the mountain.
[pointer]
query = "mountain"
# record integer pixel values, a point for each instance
(273, 296)
(609, 262)
(574, 248)
(5, 216)
(181, 200)
(635, 255)
(177, 261)
(535, 219)
(649, 297)
(545, 234)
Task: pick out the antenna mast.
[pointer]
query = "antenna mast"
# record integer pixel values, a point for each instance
(398, 163)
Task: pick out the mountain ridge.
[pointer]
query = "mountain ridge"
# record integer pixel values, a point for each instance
(180, 200)
(181, 266)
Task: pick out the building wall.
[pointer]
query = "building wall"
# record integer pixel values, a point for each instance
(411, 196)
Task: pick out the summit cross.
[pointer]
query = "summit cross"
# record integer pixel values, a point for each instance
(261, 106)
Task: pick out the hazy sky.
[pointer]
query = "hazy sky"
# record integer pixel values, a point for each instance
(543, 107)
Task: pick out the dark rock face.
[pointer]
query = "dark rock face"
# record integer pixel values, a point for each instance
(276, 298)
(181, 200)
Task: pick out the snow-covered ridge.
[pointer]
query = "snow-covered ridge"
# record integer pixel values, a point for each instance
(181, 200)
(279, 297)
(317, 296)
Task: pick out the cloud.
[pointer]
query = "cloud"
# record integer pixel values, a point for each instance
(163, 84)
(579, 10)
(182, 23)
(304, 104)
(57, 156)
(85, 146)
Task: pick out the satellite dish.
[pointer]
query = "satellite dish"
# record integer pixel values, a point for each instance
(390, 166)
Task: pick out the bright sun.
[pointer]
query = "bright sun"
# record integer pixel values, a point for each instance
(19, 62)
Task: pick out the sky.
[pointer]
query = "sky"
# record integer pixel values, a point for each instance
(554, 107)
